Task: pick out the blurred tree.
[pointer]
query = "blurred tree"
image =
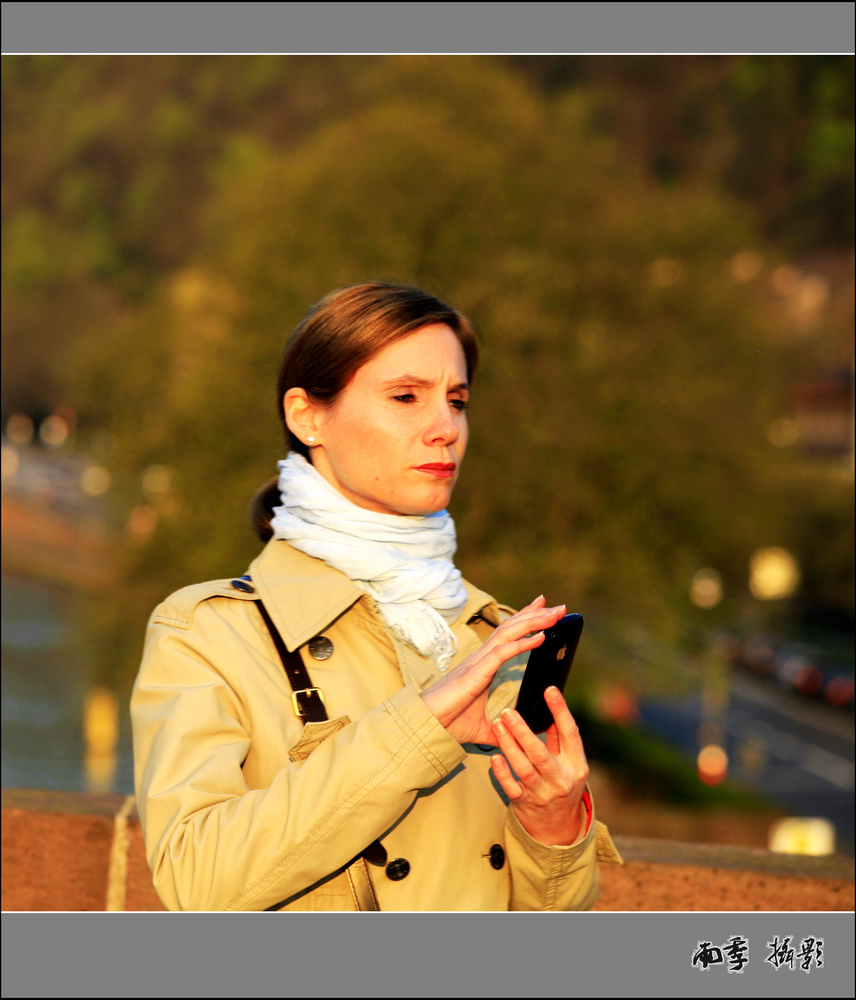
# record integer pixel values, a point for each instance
(107, 162)
(634, 357)
(777, 131)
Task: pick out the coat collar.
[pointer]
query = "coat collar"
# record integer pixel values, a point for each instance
(303, 594)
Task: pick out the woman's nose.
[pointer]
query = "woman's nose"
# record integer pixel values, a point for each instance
(443, 428)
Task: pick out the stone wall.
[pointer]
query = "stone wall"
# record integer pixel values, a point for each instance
(74, 851)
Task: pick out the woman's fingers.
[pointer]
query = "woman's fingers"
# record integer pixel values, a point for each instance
(502, 772)
(537, 610)
(531, 761)
(530, 619)
(479, 669)
(518, 634)
(564, 732)
(560, 761)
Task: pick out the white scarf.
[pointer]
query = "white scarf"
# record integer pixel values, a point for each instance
(403, 561)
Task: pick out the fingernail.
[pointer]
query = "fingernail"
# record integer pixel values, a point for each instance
(500, 729)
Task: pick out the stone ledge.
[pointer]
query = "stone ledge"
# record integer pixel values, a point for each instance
(78, 851)
(49, 801)
(73, 851)
(755, 859)
(664, 875)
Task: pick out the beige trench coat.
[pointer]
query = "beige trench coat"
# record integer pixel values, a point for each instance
(245, 808)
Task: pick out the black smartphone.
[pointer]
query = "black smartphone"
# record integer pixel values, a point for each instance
(548, 664)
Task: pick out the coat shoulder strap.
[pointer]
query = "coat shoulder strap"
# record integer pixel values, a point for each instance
(306, 699)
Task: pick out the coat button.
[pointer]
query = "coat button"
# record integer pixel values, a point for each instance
(320, 648)
(497, 857)
(398, 869)
(243, 584)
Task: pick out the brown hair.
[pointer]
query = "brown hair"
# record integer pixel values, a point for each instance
(338, 336)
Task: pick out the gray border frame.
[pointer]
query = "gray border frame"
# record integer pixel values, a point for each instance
(417, 955)
(427, 27)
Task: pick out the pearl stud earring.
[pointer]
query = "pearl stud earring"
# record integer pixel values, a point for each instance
(310, 440)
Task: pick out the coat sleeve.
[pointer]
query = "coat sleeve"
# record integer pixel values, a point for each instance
(553, 878)
(213, 843)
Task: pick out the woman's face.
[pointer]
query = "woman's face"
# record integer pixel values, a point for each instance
(394, 439)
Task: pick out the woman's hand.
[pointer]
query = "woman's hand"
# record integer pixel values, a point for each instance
(551, 777)
(459, 699)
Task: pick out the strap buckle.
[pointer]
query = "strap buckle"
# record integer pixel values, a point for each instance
(295, 704)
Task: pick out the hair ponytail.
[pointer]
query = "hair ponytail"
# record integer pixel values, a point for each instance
(261, 508)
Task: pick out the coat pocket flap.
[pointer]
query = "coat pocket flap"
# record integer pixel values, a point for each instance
(314, 733)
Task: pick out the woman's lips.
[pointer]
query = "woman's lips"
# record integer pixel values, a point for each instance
(442, 470)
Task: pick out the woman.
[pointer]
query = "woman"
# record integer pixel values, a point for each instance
(392, 794)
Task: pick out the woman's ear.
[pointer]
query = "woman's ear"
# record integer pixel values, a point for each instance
(302, 416)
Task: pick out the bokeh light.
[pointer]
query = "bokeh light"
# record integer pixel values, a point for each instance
(618, 705)
(785, 280)
(53, 431)
(774, 574)
(101, 732)
(745, 265)
(802, 835)
(19, 429)
(712, 764)
(706, 588)
(95, 480)
(783, 432)
(141, 525)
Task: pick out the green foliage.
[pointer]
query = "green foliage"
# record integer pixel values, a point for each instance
(775, 130)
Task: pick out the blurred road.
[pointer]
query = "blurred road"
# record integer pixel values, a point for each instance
(794, 751)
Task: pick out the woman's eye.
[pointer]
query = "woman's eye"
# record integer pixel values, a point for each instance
(410, 397)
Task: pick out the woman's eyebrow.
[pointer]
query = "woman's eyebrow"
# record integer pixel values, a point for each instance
(418, 380)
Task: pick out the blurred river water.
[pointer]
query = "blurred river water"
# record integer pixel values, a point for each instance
(44, 695)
